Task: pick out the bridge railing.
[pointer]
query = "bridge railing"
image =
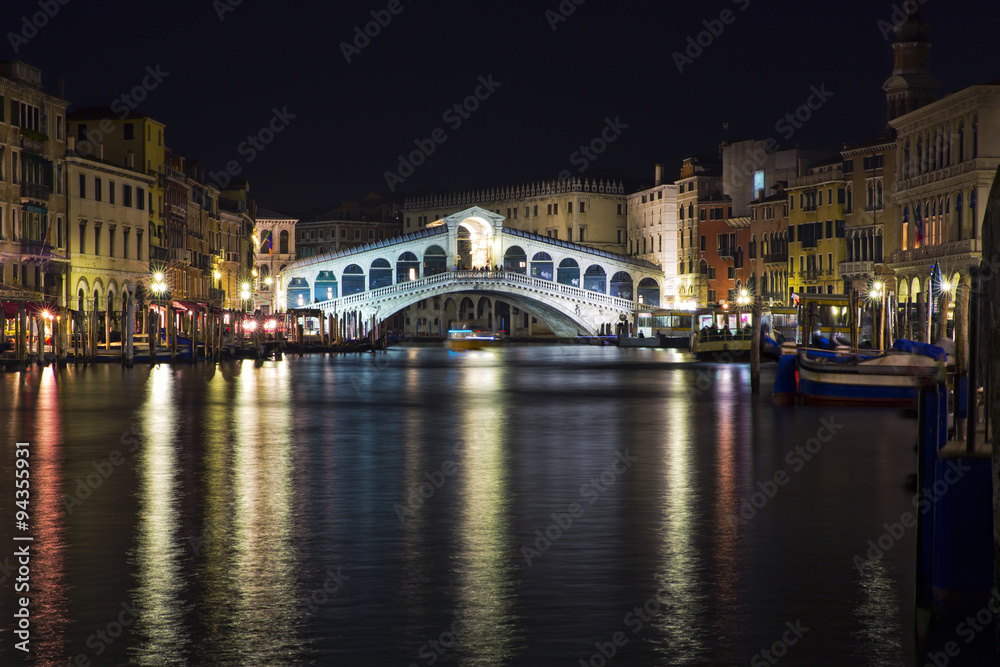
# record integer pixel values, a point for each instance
(473, 278)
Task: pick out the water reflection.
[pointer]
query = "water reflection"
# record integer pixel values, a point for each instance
(160, 582)
(48, 578)
(682, 601)
(268, 605)
(487, 629)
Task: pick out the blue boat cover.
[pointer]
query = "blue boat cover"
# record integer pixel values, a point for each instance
(925, 349)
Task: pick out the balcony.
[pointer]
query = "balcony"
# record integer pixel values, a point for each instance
(158, 254)
(725, 252)
(233, 257)
(776, 258)
(33, 144)
(810, 275)
(35, 191)
(216, 295)
(856, 268)
(180, 255)
(35, 248)
(968, 249)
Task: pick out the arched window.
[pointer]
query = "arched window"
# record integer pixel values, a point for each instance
(380, 274)
(435, 261)
(353, 280)
(283, 242)
(407, 267)
(920, 156)
(961, 142)
(596, 279)
(870, 201)
(907, 167)
(621, 285)
(569, 272)
(850, 198)
(975, 137)
(541, 266)
(878, 195)
(649, 292)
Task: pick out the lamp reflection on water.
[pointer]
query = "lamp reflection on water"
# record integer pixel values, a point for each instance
(48, 577)
(160, 584)
(484, 531)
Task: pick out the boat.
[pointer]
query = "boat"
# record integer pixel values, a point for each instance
(890, 379)
(722, 335)
(822, 366)
(464, 338)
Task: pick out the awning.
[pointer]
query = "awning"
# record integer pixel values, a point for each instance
(190, 305)
(10, 308)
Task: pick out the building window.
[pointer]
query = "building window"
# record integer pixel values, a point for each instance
(569, 207)
(702, 243)
(59, 232)
(129, 131)
(97, 240)
(97, 189)
(619, 209)
(711, 296)
(711, 273)
(357, 234)
(582, 234)
(111, 242)
(125, 237)
(111, 192)
(83, 186)
(83, 238)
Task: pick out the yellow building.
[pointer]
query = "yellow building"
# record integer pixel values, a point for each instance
(134, 142)
(816, 229)
(869, 207)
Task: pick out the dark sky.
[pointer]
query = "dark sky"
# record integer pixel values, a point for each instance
(606, 60)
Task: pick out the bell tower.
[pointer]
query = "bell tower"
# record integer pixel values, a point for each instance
(911, 85)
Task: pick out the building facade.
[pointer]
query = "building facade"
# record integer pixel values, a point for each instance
(652, 229)
(106, 244)
(33, 231)
(870, 212)
(765, 271)
(817, 228)
(947, 157)
(578, 210)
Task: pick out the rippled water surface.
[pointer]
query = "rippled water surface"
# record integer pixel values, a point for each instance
(532, 506)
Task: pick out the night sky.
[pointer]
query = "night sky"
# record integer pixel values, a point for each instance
(607, 60)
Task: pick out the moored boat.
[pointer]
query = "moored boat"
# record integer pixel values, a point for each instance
(465, 339)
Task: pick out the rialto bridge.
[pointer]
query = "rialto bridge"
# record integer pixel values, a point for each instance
(573, 288)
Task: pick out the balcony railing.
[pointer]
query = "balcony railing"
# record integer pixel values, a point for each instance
(810, 275)
(725, 252)
(35, 191)
(216, 295)
(158, 254)
(856, 268)
(36, 248)
(776, 258)
(939, 251)
(180, 255)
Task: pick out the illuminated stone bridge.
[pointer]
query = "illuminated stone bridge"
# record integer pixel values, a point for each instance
(573, 288)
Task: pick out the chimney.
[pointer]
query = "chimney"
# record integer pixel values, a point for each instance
(659, 174)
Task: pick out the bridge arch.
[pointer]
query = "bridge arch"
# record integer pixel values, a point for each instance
(541, 266)
(379, 274)
(327, 286)
(515, 260)
(353, 280)
(595, 279)
(569, 272)
(407, 267)
(649, 292)
(298, 293)
(622, 285)
(435, 260)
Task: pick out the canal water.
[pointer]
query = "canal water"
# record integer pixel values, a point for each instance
(536, 505)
